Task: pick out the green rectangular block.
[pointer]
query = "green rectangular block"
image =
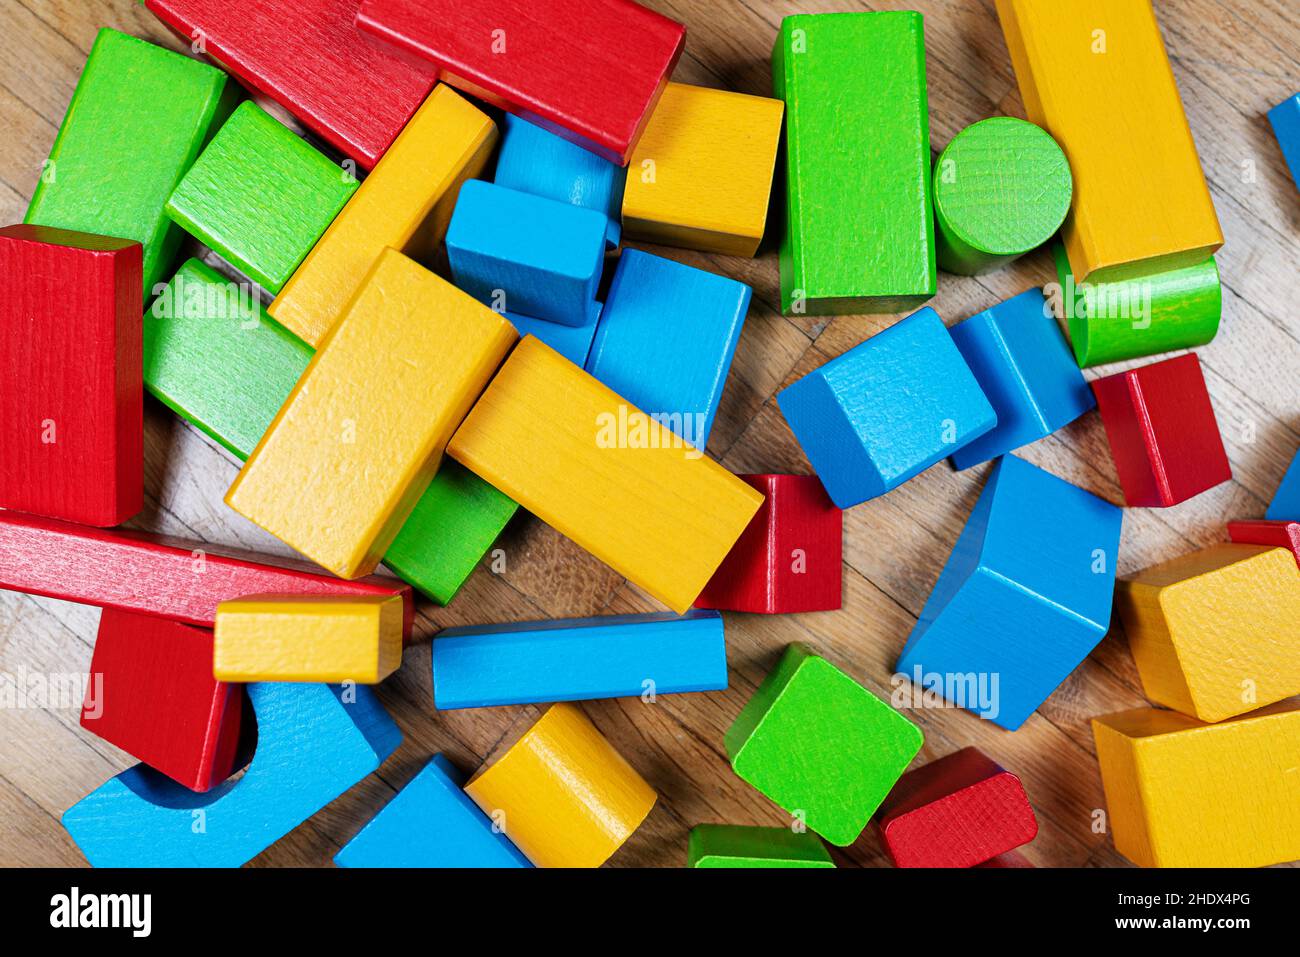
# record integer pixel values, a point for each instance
(728, 845)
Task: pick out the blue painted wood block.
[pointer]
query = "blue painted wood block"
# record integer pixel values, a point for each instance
(1285, 506)
(431, 822)
(1285, 118)
(312, 745)
(887, 409)
(1025, 596)
(526, 254)
(578, 659)
(572, 342)
(1027, 371)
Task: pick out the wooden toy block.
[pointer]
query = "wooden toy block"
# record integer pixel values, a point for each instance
(1011, 859)
(1274, 534)
(1025, 368)
(572, 342)
(789, 558)
(431, 823)
(1095, 75)
(603, 473)
(137, 120)
(701, 176)
(666, 338)
(312, 745)
(958, 811)
(732, 846)
(820, 745)
(578, 659)
(71, 413)
(859, 233)
(1162, 432)
(344, 464)
(1285, 119)
(1025, 596)
(310, 58)
(155, 698)
(887, 409)
(1214, 633)
(560, 792)
(588, 70)
(1181, 793)
(1286, 502)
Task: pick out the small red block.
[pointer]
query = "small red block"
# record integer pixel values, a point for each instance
(1278, 534)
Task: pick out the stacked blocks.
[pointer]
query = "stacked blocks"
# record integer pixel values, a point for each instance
(1286, 502)
(730, 846)
(1285, 118)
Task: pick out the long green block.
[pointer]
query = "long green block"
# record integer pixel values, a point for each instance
(728, 845)
(859, 232)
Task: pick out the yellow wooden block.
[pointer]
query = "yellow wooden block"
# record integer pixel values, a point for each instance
(1094, 74)
(1182, 793)
(1216, 633)
(596, 468)
(561, 792)
(701, 174)
(362, 433)
(405, 203)
(308, 638)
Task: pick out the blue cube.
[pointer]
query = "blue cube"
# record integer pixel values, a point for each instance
(1285, 118)
(1285, 506)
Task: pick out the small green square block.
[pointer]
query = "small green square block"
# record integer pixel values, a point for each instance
(819, 744)
(731, 846)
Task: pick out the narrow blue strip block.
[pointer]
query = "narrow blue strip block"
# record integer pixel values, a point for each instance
(1285, 118)
(1285, 506)
(572, 342)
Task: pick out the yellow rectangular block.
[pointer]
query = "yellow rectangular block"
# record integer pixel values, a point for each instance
(1095, 74)
(701, 174)
(405, 203)
(1181, 793)
(585, 461)
(362, 433)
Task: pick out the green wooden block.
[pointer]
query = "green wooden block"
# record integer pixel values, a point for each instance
(727, 845)
(859, 232)
(260, 196)
(138, 118)
(819, 744)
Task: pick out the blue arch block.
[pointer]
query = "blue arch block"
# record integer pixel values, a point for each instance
(1285, 506)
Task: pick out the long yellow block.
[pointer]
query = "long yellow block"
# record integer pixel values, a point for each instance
(597, 469)
(1094, 74)
(1181, 793)
(405, 203)
(308, 638)
(561, 792)
(1216, 633)
(362, 433)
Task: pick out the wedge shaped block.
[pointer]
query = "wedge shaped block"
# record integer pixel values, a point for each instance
(1285, 119)
(732, 846)
(1286, 503)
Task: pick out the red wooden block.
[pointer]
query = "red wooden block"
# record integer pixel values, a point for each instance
(1162, 431)
(959, 811)
(71, 380)
(1278, 534)
(588, 70)
(309, 56)
(1009, 859)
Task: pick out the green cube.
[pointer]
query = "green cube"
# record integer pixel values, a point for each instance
(727, 845)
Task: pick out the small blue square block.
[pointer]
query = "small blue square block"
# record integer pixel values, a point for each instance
(572, 342)
(1285, 506)
(1285, 118)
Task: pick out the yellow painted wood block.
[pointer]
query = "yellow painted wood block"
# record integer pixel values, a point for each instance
(1216, 633)
(585, 461)
(1182, 793)
(362, 433)
(701, 174)
(1095, 74)
(405, 203)
(308, 638)
(561, 792)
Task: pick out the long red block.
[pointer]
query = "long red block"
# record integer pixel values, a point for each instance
(588, 70)
(959, 811)
(1163, 435)
(1277, 534)
(71, 379)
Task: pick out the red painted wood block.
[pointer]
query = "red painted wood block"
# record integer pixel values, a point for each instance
(1009, 859)
(788, 558)
(71, 380)
(588, 70)
(1163, 435)
(959, 811)
(1276, 533)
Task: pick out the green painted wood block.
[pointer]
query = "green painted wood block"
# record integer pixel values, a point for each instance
(859, 232)
(728, 845)
(137, 120)
(820, 745)
(260, 196)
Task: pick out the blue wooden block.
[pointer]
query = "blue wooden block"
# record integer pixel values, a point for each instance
(887, 409)
(572, 342)
(526, 254)
(666, 338)
(431, 822)
(1285, 506)
(1025, 596)
(312, 745)
(1285, 118)
(1027, 371)
(578, 659)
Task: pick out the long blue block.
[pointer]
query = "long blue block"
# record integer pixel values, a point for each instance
(1285, 506)
(431, 822)
(578, 659)
(1285, 118)
(312, 745)
(572, 342)
(887, 409)
(1025, 596)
